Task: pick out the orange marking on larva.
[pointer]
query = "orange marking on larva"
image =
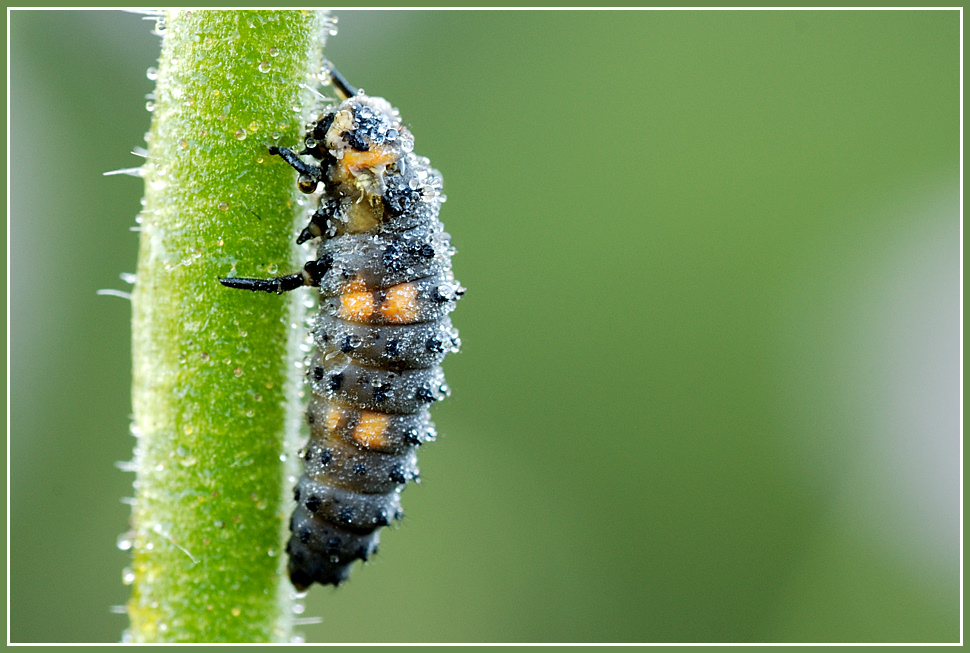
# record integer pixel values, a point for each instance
(357, 161)
(371, 428)
(356, 306)
(400, 305)
(335, 418)
(355, 286)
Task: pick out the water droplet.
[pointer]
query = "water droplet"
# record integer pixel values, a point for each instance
(272, 268)
(258, 397)
(127, 576)
(126, 541)
(184, 144)
(299, 608)
(265, 66)
(236, 611)
(254, 126)
(187, 429)
(219, 523)
(237, 372)
(240, 134)
(273, 51)
(272, 553)
(223, 206)
(152, 73)
(149, 106)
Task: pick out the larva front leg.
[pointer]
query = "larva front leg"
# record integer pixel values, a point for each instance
(313, 272)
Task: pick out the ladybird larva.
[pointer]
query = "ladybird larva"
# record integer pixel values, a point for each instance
(383, 268)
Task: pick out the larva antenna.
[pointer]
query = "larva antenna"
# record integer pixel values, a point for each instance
(343, 88)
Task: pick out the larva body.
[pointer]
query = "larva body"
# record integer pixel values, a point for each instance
(383, 268)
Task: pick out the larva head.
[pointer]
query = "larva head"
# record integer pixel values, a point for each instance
(365, 123)
(365, 136)
(361, 143)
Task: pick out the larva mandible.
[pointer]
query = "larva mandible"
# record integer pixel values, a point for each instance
(383, 268)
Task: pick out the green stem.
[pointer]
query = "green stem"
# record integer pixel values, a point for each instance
(214, 377)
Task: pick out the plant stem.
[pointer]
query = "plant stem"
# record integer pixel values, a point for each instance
(214, 377)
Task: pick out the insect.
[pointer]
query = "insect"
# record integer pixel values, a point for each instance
(383, 268)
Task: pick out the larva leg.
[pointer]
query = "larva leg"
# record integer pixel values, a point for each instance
(278, 285)
(319, 221)
(313, 271)
(309, 174)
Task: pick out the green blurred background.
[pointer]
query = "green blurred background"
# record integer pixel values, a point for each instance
(709, 388)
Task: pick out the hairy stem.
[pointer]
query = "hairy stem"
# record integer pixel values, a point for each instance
(214, 378)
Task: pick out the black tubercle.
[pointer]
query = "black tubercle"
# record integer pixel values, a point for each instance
(356, 141)
(399, 198)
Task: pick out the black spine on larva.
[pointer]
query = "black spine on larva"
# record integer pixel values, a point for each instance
(381, 332)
